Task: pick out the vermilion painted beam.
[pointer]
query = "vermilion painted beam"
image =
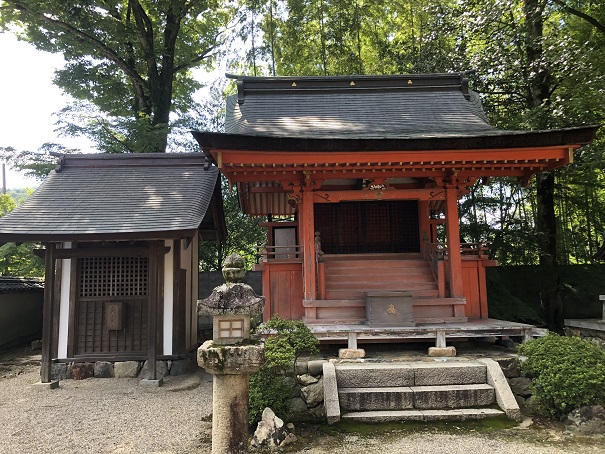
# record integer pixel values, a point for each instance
(276, 158)
(242, 176)
(385, 194)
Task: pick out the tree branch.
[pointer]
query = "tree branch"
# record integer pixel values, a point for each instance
(195, 61)
(582, 15)
(82, 36)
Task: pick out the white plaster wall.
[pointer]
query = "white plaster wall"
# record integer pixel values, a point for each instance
(64, 304)
(168, 297)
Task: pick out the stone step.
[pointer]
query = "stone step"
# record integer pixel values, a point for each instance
(459, 414)
(453, 396)
(376, 375)
(416, 397)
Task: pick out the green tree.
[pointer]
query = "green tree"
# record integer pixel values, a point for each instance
(17, 260)
(128, 61)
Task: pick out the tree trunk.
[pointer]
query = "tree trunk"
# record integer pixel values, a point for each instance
(539, 86)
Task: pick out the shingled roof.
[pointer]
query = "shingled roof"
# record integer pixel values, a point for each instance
(121, 197)
(356, 107)
(366, 113)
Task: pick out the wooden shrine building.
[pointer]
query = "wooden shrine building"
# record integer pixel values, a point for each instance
(121, 235)
(360, 177)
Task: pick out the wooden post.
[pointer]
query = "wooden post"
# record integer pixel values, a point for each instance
(47, 322)
(153, 282)
(307, 223)
(453, 243)
(423, 224)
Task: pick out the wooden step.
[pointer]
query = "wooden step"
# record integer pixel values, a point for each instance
(416, 301)
(359, 294)
(365, 285)
(389, 271)
(459, 414)
(374, 256)
(366, 264)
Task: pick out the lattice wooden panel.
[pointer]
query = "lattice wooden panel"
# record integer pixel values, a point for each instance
(113, 276)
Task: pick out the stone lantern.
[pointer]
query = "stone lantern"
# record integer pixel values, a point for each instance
(231, 356)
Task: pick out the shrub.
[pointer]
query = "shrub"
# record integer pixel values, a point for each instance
(273, 385)
(567, 373)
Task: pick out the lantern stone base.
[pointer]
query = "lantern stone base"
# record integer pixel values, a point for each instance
(230, 359)
(230, 366)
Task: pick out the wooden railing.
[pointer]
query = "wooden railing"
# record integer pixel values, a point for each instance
(436, 254)
(281, 253)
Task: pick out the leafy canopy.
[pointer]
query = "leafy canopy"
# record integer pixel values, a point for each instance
(128, 61)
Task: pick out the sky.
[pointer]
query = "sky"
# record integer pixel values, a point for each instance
(28, 100)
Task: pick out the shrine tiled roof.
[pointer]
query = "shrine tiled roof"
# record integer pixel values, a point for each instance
(108, 196)
(404, 106)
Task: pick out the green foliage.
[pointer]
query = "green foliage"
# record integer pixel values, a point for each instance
(503, 305)
(128, 63)
(273, 385)
(17, 260)
(566, 372)
(244, 235)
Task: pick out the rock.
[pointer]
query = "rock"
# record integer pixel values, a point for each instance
(306, 379)
(298, 407)
(161, 370)
(36, 345)
(351, 353)
(179, 367)
(313, 394)
(509, 366)
(58, 371)
(316, 367)
(506, 343)
(319, 412)
(271, 431)
(103, 369)
(301, 367)
(80, 371)
(587, 420)
(520, 386)
(126, 369)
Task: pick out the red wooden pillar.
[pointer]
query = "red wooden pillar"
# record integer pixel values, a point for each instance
(307, 226)
(453, 243)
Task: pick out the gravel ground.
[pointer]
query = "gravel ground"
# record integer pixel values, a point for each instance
(118, 416)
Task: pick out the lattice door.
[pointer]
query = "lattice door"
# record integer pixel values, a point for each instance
(103, 282)
(368, 227)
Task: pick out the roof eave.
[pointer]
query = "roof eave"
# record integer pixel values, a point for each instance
(515, 139)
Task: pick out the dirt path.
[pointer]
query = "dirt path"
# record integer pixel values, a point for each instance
(118, 416)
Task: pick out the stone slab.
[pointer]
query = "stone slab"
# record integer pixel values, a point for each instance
(331, 399)
(453, 396)
(351, 353)
(504, 396)
(385, 398)
(454, 373)
(53, 384)
(448, 352)
(147, 383)
(462, 414)
(374, 375)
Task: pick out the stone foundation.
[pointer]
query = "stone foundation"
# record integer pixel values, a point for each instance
(120, 369)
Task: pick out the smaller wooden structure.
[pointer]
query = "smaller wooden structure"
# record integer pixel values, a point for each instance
(121, 235)
(360, 177)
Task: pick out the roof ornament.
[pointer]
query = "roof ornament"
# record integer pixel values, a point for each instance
(410, 82)
(464, 83)
(240, 91)
(352, 83)
(294, 84)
